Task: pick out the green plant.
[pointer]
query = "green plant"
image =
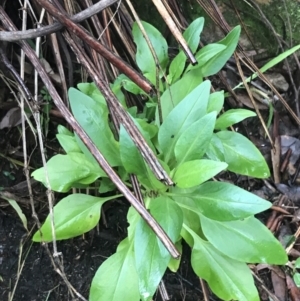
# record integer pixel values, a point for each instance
(216, 219)
(46, 109)
(296, 274)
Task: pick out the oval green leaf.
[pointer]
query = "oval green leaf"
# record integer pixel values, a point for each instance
(144, 57)
(177, 92)
(194, 141)
(192, 37)
(131, 158)
(192, 33)
(215, 102)
(242, 156)
(68, 143)
(231, 117)
(229, 279)
(94, 120)
(73, 215)
(188, 111)
(216, 63)
(65, 170)
(221, 201)
(250, 240)
(193, 173)
(176, 67)
(205, 54)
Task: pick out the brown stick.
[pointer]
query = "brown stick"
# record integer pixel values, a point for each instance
(111, 99)
(89, 143)
(15, 36)
(63, 18)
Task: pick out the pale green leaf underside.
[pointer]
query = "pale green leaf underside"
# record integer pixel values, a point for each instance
(65, 170)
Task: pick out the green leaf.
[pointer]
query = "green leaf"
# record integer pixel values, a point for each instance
(132, 159)
(205, 54)
(215, 102)
(93, 117)
(129, 85)
(187, 112)
(215, 150)
(91, 90)
(242, 156)
(296, 278)
(86, 88)
(97, 96)
(215, 64)
(132, 111)
(144, 58)
(148, 130)
(151, 256)
(193, 142)
(221, 201)
(64, 170)
(193, 173)
(132, 218)
(231, 117)
(106, 185)
(116, 279)
(68, 143)
(73, 215)
(192, 37)
(63, 130)
(86, 151)
(228, 279)
(192, 33)
(297, 263)
(177, 92)
(150, 182)
(250, 240)
(116, 88)
(192, 221)
(176, 67)
(175, 263)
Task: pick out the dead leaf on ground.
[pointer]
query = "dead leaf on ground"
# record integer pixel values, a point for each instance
(11, 119)
(288, 142)
(294, 290)
(246, 101)
(293, 193)
(50, 71)
(279, 285)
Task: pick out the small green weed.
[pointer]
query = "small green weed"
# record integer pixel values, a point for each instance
(216, 219)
